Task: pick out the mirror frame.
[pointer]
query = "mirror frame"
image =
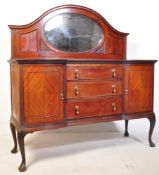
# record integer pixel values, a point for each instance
(91, 14)
(97, 45)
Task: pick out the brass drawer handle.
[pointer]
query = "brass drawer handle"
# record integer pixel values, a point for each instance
(113, 73)
(114, 107)
(76, 73)
(77, 110)
(76, 90)
(113, 89)
(61, 95)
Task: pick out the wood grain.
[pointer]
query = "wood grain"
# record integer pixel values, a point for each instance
(42, 87)
(139, 84)
(94, 71)
(15, 91)
(93, 88)
(94, 107)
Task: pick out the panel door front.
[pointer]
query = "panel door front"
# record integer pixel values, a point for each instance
(43, 88)
(138, 88)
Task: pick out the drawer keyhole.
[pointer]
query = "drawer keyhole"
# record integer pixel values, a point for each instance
(61, 95)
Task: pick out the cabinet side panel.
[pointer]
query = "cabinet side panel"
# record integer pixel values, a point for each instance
(15, 91)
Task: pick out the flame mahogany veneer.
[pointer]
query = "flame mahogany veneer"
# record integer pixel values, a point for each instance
(52, 89)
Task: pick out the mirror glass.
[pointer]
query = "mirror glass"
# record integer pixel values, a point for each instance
(72, 32)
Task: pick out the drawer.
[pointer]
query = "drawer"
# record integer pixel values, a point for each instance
(93, 71)
(77, 89)
(94, 107)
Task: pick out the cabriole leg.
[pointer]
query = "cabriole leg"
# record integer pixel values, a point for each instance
(21, 136)
(152, 124)
(12, 127)
(126, 134)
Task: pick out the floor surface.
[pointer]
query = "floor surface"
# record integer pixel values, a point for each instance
(96, 149)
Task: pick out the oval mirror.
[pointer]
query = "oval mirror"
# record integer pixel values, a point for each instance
(72, 33)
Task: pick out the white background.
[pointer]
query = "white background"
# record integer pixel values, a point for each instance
(139, 18)
(87, 149)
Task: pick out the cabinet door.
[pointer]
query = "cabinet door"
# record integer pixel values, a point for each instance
(138, 88)
(43, 88)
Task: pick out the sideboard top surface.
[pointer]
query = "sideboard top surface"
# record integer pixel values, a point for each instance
(79, 61)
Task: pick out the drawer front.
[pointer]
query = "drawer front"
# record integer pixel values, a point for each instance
(79, 89)
(94, 107)
(93, 71)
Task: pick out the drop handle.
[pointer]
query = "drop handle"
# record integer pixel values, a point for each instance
(61, 95)
(113, 73)
(113, 89)
(77, 110)
(76, 73)
(114, 108)
(76, 90)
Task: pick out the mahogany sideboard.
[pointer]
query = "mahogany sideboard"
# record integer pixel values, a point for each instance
(69, 67)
